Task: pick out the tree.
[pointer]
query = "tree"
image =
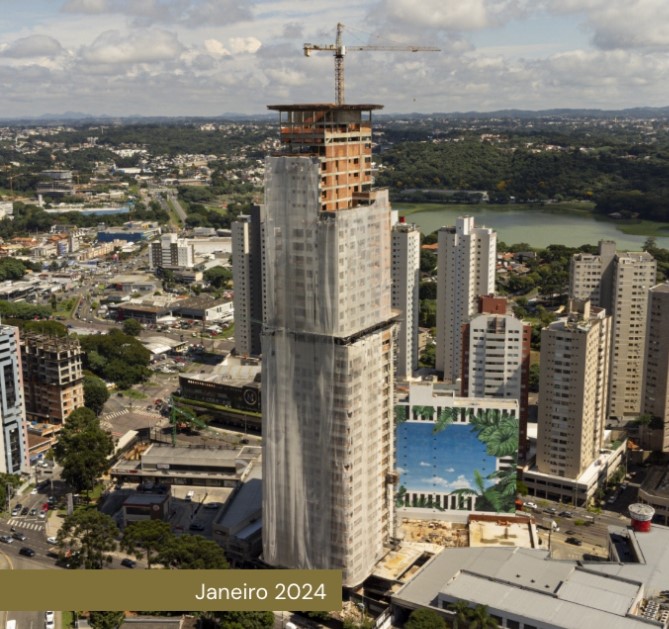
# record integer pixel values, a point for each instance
(245, 620)
(87, 537)
(148, 536)
(82, 450)
(428, 262)
(480, 618)
(192, 552)
(105, 620)
(533, 384)
(218, 276)
(132, 327)
(95, 393)
(425, 619)
(8, 482)
(462, 612)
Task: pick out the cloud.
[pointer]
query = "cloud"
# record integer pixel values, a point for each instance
(111, 47)
(215, 48)
(460, 482)
(33, 46)
(425, 464)
(244, 45)
(192, 13)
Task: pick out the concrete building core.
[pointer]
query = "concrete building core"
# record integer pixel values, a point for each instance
(327, 347)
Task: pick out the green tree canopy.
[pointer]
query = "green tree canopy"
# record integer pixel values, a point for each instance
(82, 449)
(218, 276)
(132, 327)
(425, 619)
(148, 536)
(192, 552)
(95, 393)
(87, 537)
(105, 620)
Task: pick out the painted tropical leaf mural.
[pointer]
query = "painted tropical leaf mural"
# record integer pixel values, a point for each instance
(425, 413)
(445, 417)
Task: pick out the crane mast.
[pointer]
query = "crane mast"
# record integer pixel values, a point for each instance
(339, 50)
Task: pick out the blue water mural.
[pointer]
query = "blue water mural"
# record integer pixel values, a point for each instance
(444, 461)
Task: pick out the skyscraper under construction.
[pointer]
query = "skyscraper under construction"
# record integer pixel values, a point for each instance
(327, 346)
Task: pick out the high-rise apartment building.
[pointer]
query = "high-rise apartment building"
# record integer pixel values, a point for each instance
(247, 275)
(573, 384)
(619, 282)
(13, 437)
(465, 269)
(496, 358)
(171, 252)
(327, 346)
(406, 282)
(52, 377)
(656, 375)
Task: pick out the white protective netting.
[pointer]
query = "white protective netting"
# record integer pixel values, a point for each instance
(327, 377)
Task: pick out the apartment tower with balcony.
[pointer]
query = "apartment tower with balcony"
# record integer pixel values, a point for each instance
(327, 346)
(52, 377)
(465, 270)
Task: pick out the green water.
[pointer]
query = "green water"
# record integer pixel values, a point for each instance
(538, 227)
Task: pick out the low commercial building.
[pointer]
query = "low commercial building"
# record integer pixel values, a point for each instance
(205, 308)
(141, 507)
(229, 391)
(201, 466)
(654, 491)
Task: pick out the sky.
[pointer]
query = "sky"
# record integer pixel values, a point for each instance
(212, 57)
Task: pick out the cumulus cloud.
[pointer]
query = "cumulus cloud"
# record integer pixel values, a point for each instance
(111, 47)
(461, 482)
(240, 45)
(425, 464)
(193, 13)
(215, 48)
(33, 46)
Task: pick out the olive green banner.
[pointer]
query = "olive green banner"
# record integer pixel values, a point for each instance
(171, 590)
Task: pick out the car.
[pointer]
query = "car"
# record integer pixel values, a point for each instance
(33, 491)
(212, 505)
(20, 536)
(565, 514)
(550, 510)
(128, 563)
(51, 540)
(574, 540)
(530, 505)
(16, 511)
(196, 526)
(27, 552)
(25, 511)
(6, 539)
(33, 511)
(49, 616)
(41, 515)
(49, 624)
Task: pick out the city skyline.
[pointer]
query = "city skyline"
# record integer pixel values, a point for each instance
(206, 58)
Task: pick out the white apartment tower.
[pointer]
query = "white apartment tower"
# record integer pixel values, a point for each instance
(619, 282)
(171, 252)
(656, 374)
(466, 269)
(247, 275)
(327, 346)
(13, 436)
(406, 282)
(573, 384)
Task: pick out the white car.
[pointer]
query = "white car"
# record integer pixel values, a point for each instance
(531, 505)
(51, 540)
(49, 624)
(49, 617)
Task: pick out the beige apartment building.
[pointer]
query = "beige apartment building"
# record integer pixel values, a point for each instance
(619, 282)
(52, 377)
(327, 346)
(573, 384)
(656, 375)
(465, 270)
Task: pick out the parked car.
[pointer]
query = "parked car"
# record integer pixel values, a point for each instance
(20, 536)
(530, 505)
(6, 539)
(49, 616)
(565, 514)
(574, 540)
(550, 510)
(196, 526)
(51, 540)
(128, 563)
(27, 552)
(33, 511)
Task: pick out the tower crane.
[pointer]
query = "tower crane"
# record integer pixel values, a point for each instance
(340, 50)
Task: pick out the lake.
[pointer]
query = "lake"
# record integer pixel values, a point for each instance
(538, 227)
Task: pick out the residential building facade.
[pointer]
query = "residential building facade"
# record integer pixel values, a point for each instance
(406, 282)
(573, 385)
(14, 457)
(619, 282)
(465, 270)
(171, 252)
(52, 377)
(247, 275)
(327, 347)
(655, 436)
